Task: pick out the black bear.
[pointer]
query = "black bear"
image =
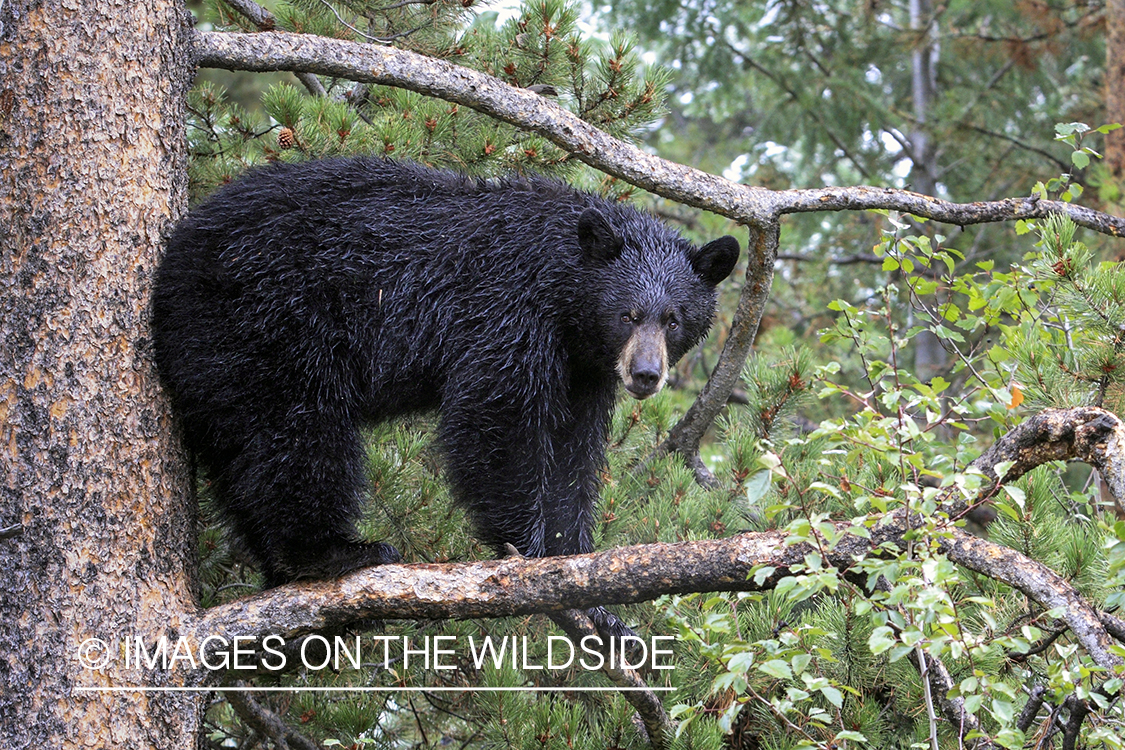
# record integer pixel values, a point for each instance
(304, 300)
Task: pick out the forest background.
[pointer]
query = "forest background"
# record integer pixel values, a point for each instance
(892, 354)
(872, 315)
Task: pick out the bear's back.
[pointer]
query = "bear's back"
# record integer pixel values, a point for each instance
(339, 281)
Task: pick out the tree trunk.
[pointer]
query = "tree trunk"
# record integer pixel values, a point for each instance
(96, 516)
(1115, 87)
(930, 358)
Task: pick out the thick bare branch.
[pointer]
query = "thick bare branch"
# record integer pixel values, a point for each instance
(497, 588)
(959, 214)
(754, 206)
(1041, 584)
(1089, 434)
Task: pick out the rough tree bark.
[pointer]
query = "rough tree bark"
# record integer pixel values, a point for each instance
(99, 523)
(1115, 88)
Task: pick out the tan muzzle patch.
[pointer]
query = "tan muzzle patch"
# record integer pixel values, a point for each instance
(643, 364)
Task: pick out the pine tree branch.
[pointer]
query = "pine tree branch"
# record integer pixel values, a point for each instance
(524, 109)
(266, 722)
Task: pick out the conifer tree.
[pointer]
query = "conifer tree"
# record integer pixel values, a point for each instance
(840, 430)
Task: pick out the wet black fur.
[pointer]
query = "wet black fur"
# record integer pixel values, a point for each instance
(303, 301)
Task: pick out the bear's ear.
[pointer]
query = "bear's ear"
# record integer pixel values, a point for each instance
(714, 261)
(596, 237)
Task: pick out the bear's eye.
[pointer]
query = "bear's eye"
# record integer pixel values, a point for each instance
(673, 324)
(626, 318)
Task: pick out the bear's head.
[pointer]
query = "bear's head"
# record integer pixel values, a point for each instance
(656, 292)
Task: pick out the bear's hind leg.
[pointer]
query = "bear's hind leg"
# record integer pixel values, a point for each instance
(294, 494)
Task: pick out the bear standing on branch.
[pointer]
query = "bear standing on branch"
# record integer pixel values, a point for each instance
(303, 301)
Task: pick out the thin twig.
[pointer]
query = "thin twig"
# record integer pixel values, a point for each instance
(924, 673)
(577, 625)
(266, 722)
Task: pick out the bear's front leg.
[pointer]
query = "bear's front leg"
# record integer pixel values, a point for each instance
(496, 467)
(529, 483)
(578, 448)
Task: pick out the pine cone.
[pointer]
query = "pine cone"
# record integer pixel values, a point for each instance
(285, 138)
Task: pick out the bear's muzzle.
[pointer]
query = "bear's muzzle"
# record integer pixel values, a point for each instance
(643, 364)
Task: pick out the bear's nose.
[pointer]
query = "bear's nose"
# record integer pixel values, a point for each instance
(645, 377)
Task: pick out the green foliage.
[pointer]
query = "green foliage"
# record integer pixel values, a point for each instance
(540, 49)
(823, 659)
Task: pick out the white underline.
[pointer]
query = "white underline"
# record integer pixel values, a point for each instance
(148, 689)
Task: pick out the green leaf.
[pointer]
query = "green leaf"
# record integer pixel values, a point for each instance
(1080, 159)
(848, 734)
(757, 486)
(881, 639)
(834, 696)
(1018, 496)
(1003, 710)
(776, 668)
(1007, 510)
(1003, 467)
